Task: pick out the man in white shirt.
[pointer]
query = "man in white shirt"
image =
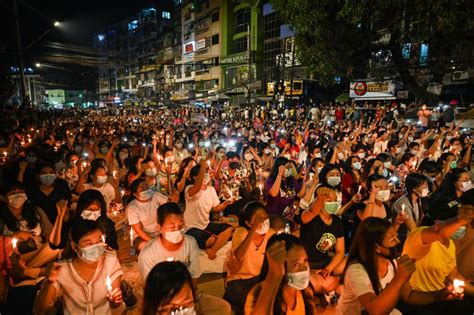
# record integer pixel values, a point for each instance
(173, 245)
(142, 212)
(201, 199)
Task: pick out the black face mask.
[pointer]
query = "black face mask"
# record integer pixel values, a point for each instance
(394, 252)
(234, 165)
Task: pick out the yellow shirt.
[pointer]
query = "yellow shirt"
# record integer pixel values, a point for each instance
(252, 261)
(434, 261)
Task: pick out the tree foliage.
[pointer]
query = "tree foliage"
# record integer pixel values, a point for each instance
(356, 37)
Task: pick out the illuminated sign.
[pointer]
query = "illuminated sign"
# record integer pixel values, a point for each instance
(201, 43)
(297, 88)
(189, 47)
(132, 25)
(372, 89)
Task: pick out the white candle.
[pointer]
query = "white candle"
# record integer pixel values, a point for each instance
(261, 190)
(403, 210)
(209, 163)
(114, 174)
(458, 286)
(131, 236)
(5, 153)
(103, 238)
(358, 191)
(14, 242)
(108, 284)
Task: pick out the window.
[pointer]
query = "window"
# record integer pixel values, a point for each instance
(132, 25)
(240, 45)
(215, 39)
(215, 16)
(166, 15)
(424, 53)
(242, 20)
(406, 49)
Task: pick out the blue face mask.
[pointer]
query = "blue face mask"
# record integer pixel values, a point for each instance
(384, 172)
(47, 179)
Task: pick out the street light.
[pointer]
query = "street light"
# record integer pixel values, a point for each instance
(38, 65)
(57, 23)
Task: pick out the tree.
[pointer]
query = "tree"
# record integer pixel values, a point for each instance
(354, 38)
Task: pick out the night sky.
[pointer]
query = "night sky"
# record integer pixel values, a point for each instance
(80, 19)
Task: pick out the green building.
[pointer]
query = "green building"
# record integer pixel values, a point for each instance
(241, 51)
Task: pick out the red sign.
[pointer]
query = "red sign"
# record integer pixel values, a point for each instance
(360, 88)
(189, 48)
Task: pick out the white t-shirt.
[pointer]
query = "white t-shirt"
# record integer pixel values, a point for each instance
(154, 253)
(146, 213)
(356, 284)
(80, 297)
(107, 190)
(198, 207)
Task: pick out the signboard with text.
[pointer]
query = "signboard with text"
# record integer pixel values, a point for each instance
(366, 90)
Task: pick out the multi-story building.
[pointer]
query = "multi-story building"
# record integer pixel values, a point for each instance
(130, 47)
(242, 51)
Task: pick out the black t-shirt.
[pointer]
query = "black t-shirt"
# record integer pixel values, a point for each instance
(48, 202)
(320, 240)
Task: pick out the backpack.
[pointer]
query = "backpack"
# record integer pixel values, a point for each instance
(448, 115)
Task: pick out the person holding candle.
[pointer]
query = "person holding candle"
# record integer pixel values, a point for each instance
(432, 246)
(183, 178)
(416, 186)
(80, 281)
(201, 199)
(173, 245)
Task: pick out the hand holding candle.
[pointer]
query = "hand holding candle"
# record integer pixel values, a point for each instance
(108, 284)
(14, 243)
(458, 286)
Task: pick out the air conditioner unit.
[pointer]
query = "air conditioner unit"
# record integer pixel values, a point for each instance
(460, 75)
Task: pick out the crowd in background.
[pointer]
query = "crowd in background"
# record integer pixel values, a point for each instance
(350, 205)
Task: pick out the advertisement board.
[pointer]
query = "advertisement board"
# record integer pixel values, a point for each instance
(372, 90)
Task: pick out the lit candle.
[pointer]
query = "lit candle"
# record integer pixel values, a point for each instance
(5, 154)
(209, 163)
(84, 164)
(114, 174)
(358, 191)
(103, 238)
(403, 210)
(131, 236)
(170, 259)
(122, 192)
(14, 242)
(458, 286)
(261, 190)
(108, 284)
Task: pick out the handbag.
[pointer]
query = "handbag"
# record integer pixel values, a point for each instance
(27, 246)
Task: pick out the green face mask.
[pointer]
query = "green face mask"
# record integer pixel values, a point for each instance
(453, 164)
(331, 207)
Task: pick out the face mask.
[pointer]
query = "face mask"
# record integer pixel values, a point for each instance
(334, 180)
(346, 139)
(91, 254)
(410, 139)
(398, 150)
(287, 156)
(453, 164)
(47, 179)
(459, 234)
(150, 172)
(264, 228)
(179, 145)
(17, 200)
(184, 311)
(104, 150)
(466, 186)
(317, 155)
(248, 157)
(385, 172)
(449, 138)
(123, 155)
(424, 193)
(206, 179)
(273, 145)
(414, 152)
(331, 207)
(219, 156)
(234, 165)
(357, 165)
(287, 173)
(72, 163)
(170, 159)
(101, 180)
(174, 237)
(340, 156)
(266, 151)
(298, 280)
(132, 143)
(146, 194)
(387, 164)
(361, 155)
(383, 195)
(318, 169)
(78, 149)
(90, 215)
(31, 159)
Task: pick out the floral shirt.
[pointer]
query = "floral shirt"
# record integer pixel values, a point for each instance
(230, 184)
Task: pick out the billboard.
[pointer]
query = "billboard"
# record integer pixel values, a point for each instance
(367, 90)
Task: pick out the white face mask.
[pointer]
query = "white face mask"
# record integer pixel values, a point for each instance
(184, 311)
(151, 172)
(17, 200)
(146, 194)
(264, 227)
(466, 186)
(361, 155)
(174, 237)
(90, 215)
(317, 155)
(248, 157)
(101, 180)
(91, 254)
(424, 192)
(383, 195)
(206, 179)
(334, 180)
(298, 280)
(287, 173)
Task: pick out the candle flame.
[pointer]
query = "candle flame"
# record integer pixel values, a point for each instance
(14, 242)
(108, 283)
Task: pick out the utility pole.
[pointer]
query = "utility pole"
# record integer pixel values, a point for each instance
(249, 63)
(292, 66)
(21, 66)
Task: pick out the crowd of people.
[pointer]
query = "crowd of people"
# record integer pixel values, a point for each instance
(324, 205)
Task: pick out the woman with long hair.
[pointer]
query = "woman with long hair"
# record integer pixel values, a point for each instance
(285, 286)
